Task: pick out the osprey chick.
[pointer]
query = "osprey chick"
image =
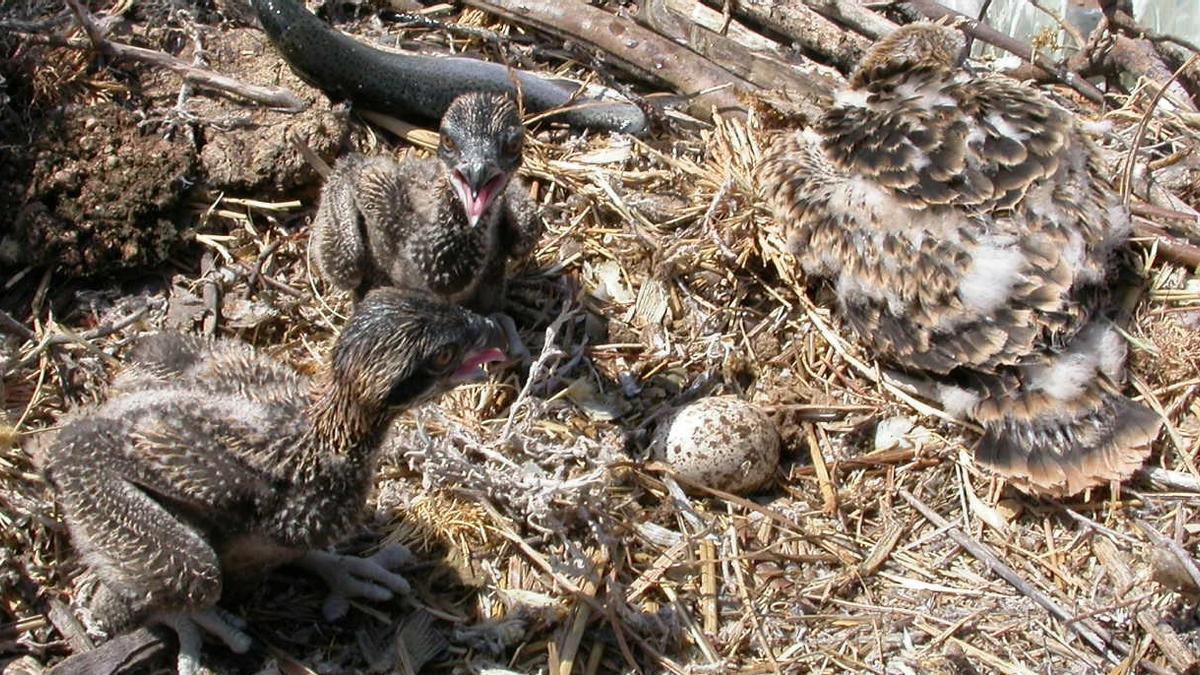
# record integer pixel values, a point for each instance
(213, 462)
(967, 231)
(444, 225)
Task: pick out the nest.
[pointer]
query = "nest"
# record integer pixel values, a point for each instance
(546, 540)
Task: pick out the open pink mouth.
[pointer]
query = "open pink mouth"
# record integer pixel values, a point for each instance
(472, 366)
(479, 204)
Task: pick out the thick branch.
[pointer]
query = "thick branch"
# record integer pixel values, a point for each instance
(758, 69)
(852, 14)
(811, 31)
(1172, 248)
(632, 47)
(132, 652)
(1140, 59)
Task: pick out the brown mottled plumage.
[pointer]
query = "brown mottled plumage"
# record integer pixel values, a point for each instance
(965, 227)
(212, 462)
(444, 225)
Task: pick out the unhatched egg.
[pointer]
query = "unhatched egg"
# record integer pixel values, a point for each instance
(721, 442)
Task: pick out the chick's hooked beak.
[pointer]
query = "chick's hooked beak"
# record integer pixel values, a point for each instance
(488, 348)
(477, 184)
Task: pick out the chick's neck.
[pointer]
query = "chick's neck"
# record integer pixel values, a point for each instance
(341, 431)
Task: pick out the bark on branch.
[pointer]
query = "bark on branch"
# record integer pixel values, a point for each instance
(758, 69)
(810, 30)
(633, 48)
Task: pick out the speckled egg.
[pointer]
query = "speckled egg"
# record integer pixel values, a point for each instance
(721, 442)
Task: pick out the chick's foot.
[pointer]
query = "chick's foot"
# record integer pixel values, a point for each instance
(191, 626)
(350, 577)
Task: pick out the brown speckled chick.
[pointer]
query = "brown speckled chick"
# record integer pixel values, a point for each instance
(967, 231)
(445, 225)
(213, 462)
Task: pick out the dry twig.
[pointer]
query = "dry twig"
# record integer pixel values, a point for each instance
(274, 97)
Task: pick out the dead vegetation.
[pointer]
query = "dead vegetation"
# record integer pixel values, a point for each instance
(551, 545)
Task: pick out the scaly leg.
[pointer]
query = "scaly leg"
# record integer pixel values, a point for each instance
(350, 576)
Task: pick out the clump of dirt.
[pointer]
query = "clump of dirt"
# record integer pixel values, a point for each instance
(92, 192)
(253, 153)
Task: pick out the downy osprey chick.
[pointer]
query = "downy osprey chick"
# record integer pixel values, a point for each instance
(444, 225)
(968, 233)
(198, 473)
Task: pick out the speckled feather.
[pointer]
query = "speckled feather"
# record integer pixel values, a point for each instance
(382, 222)
(180, 471)
(968, 234)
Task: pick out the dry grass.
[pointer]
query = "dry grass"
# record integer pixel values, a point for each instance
(553, 546)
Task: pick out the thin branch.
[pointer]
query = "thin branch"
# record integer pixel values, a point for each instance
(85, 20)
(19, 26)
(1071, 30)
(1127, 175)
(15, 328)
(1185, 559)
(983, 10)
(1124, 22)
(1119, 573)
(984, 555)
(56, 339)
(273, 97)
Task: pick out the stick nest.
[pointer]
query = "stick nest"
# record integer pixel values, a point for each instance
(548, 540)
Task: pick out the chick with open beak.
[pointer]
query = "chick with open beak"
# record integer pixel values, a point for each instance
(445, 225)
(481, 140)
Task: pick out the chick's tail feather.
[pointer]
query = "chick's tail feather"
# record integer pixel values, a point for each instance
(1062, 448)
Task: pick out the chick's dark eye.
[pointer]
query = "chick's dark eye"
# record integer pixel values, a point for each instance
(449, 144)
(512, 144)
(443, 358)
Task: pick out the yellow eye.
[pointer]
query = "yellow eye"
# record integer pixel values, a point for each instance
(443, 358)
(449, 144)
